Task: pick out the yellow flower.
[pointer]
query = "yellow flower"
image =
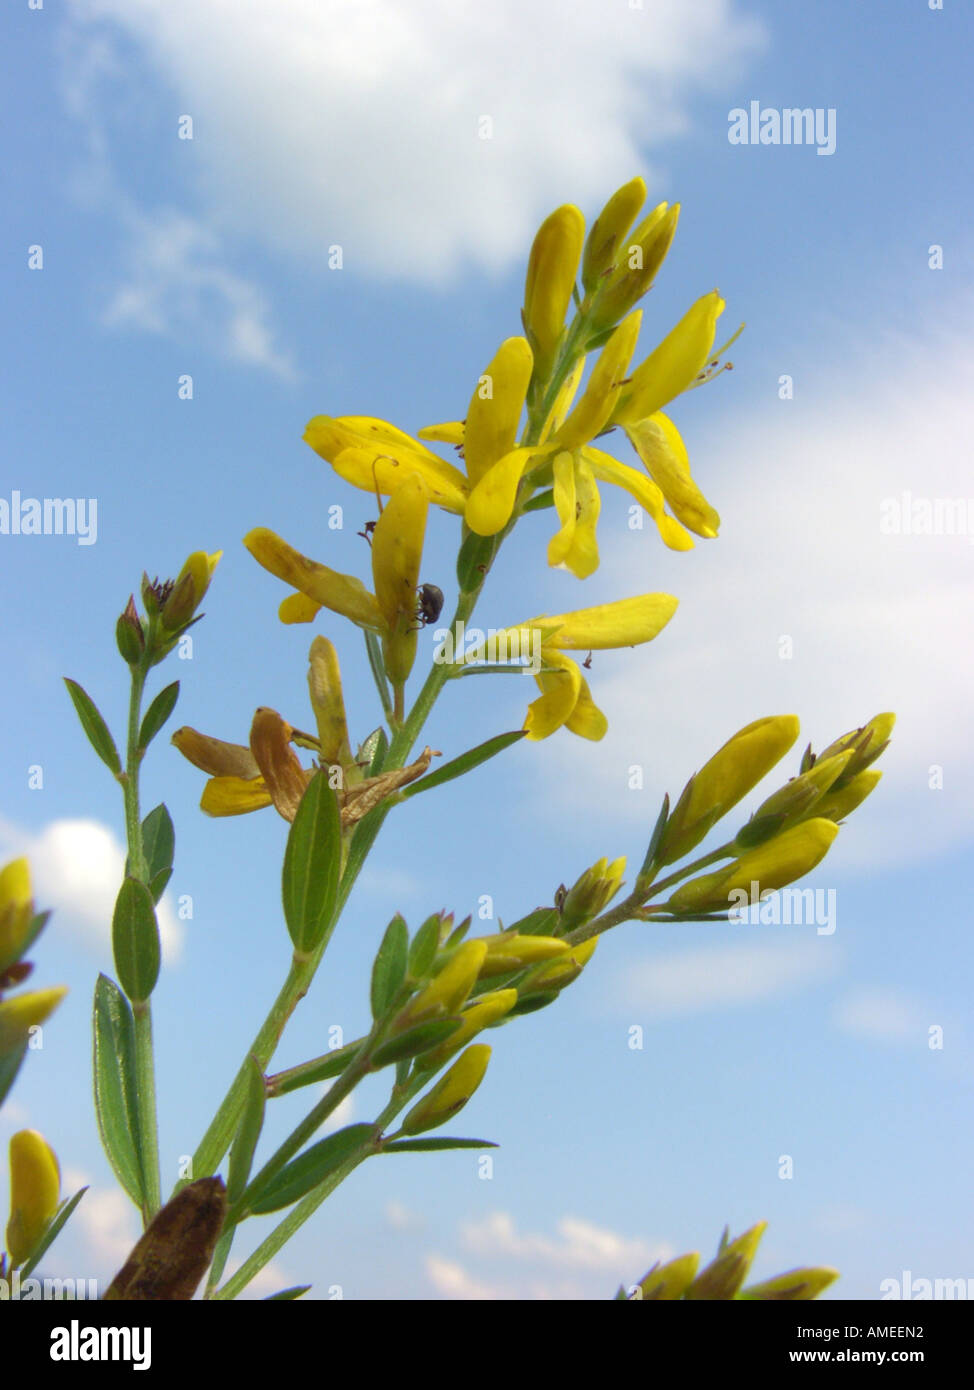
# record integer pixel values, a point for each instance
(552, 268)
(451, 1093)
(16, 911)
(35, 1186)
(566, 699)
(375, 456)
(24, 1012)
(780, 861)
(674, 365)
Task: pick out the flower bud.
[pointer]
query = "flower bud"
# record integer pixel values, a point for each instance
(189, 590)
(24, 1012)
(792, 802)
(129, 636)
(509, 951)
(589, 895)
(608, 230)
(867, 744)
(669, 1282)
(325, 684)
(793, 1286)
(721, 783)
(637, 265)
(557, 974)
(552, 267)
(836, 805)
(35, 1186)
(483, 1013)
(780, 861)
(724, 1276)
(447, 992)
(452, 1093)
(16, 911)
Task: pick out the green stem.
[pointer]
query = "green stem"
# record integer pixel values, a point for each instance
(146, 1118)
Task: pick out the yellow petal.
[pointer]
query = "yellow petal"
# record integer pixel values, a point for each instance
(372, 454)
(214, 756)
(325, 685)
(560, 689)
(563, 400)
(234, 796)
(452, 1093)
(605, 239)
(492, 500)
(584, 557)
(657, 442)
(342, 593)
(552, 267)
(298, 608)
(646, 493)
(35, 1186)
(560, 544)
(586, 719)
(495, 407)
(625, 623)
(397, 552)
(674, 365)
(592, 412)
(451, 432)
(787, 857)
(24, 1012)
(15, 889)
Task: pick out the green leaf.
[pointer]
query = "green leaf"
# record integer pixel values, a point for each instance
(543, 921)
(656, 839)
(135, 939)
(457, 935)
(306, 1171)
(286, 1295)
(116, 1105)
(540, 501)
(94, 726)
(312, 862)
(456, 767)
(424, 947)
(10, 1064)
(59, 1221)
(389, 966)
(417, 1146)
(318, 1069)
(157, 713)
(532, 1004)
(159, 848)
(474, 560)
(248, 1132)
(415, 1041)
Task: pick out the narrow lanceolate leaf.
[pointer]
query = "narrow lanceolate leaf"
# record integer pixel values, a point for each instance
(135, 939)
(115, 1085)
(425, 944)
(158, 848)
(172, 1256)
(456, 767)
(415, 1041)
(389, 966)
(94, 726)
(312, 1167)
(248, 1132)
(286, 1295)
(157, 713)
(419, 1146)
(312, 862)
(61, 1218)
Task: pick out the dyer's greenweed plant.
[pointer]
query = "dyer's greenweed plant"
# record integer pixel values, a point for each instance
(528, 442)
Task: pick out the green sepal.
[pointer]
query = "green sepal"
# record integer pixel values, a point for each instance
(541, 501)
(135, 939)
(312, 864)
(531, 1005)
(248, 1132)
(310, 1168)
(116, 1102)
(543, 921)
(474, 560)
(424, 946)
(415, 1041)
(389, 966)
(417, 1146)
(94, 726)
(157, 713)
(456, 767)
(656, 839)
(759, 829)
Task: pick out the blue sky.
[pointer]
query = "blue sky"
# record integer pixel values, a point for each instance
(315, 125)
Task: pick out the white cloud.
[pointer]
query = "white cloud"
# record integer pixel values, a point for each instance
(342, 1115)
(451, 1279)
(319, 122)
(76, 869)
(714, 977)
(579, 1244)
(400, 1218)
(882, 1016)
(877, 621)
